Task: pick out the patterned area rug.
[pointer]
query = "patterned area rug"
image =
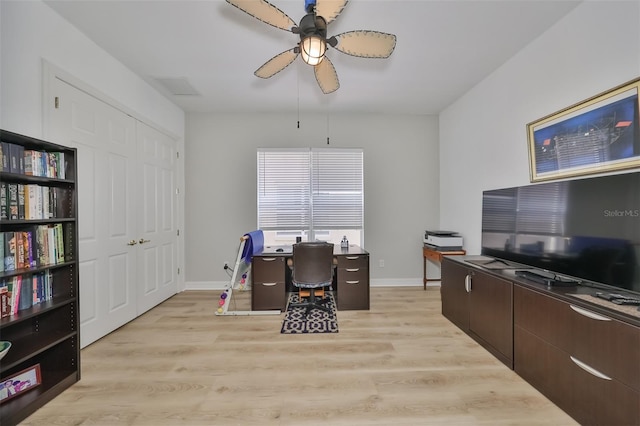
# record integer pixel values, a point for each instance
(317, 321)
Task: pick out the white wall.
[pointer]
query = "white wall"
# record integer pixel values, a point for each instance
(483, 141)
(401, 185)
(30, 32)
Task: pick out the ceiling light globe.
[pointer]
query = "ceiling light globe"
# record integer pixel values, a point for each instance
(312, 49)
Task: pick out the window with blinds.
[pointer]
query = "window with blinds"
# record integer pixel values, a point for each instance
(315, 193)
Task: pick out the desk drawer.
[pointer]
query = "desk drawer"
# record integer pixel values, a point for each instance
(353, 289)
(353, 261)
(268, 269)
(268, 295)
(432, 255)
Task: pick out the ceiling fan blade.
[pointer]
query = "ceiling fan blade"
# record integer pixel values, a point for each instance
(330, 9)
(326, 76)
(364, 44)
(266, 12)
(276, 64)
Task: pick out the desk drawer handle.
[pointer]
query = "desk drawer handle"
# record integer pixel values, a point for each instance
(589, 369)
(352, 282)
(269, 284)
(268, 259)
(352, 257)
(589, 314)
(352, 269)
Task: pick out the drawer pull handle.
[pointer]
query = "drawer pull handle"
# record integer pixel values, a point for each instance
(268, 259)
(352, 257)
(352, 269)
(589, 314)
(352, 282)
(467, 283)
(589, 369)
(269, 284)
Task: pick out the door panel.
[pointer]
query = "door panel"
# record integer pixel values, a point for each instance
(89, 310)
(105, 139)
(157, 221)
(118, 266)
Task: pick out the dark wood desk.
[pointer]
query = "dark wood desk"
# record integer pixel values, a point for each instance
(271, 279)
(431, 253)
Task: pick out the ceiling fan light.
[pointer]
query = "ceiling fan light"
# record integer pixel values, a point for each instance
(312, 49)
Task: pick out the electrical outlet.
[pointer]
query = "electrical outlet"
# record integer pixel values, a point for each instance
(381, 263)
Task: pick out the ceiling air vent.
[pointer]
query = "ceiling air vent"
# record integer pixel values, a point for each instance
(177, 86)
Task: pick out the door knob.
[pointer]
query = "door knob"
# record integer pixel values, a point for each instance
(132, 243)
(142, 241)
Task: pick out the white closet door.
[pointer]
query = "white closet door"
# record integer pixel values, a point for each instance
(106, 141)
(127, 208)
(156, 218)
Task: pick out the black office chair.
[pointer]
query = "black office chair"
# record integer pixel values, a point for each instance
(312, 268)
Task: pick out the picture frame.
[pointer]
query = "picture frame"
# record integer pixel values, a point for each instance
(598, 135)
(21, 382)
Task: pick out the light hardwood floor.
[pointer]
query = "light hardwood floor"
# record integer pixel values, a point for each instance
(401, 363)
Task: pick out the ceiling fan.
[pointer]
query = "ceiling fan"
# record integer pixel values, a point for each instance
(314, 43)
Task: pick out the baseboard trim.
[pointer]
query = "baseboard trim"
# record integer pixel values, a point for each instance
(379, 282)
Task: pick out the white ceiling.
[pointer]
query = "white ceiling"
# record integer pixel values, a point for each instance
(443, 49)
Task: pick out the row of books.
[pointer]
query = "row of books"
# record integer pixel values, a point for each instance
(16, 159)
(31, 201)
(22, 292)
(37, 246)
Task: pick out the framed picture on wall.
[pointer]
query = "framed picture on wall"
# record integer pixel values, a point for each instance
(598, 135)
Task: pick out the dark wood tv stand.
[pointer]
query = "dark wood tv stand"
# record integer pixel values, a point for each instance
(583, 356)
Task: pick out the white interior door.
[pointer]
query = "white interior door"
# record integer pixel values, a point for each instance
(126, 206)
(106, 141)
(156, 218)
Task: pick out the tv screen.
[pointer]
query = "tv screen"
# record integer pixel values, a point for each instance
(586, 229)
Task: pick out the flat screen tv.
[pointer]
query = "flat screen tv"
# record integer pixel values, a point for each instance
(584, 229)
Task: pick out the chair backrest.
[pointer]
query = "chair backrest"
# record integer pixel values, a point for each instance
(312, 264)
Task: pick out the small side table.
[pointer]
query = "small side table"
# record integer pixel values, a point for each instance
(436, 256)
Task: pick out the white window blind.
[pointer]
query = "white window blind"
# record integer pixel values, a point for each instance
(337, 189)
(284, 200)
(307, 189)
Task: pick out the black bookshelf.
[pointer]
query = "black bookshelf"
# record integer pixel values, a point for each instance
(47, 333)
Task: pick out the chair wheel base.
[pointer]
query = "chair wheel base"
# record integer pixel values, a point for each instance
(313, 303)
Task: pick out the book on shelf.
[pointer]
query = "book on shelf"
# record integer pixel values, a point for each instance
(9, 251)
(59, 238)
(12, 199)
(21, 204)
(16, 158)
(30, 201)
(25, 299)
(22, 292)
(4, 161)
(20, 250)
(29, 250)
(14, 284)
(4, 205)
(33, 247)
(5, 307)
